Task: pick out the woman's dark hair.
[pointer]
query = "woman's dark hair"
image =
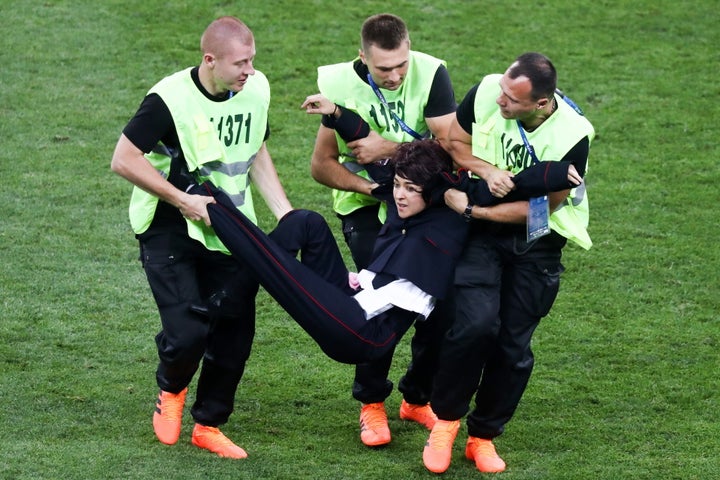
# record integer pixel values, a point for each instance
(422, 162)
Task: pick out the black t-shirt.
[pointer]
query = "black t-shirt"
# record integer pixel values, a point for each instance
(577, 155)
(153, 124)
(441, 99)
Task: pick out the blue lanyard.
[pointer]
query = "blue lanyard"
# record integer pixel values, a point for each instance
(572, 104)
(394, 115)
(528, 147)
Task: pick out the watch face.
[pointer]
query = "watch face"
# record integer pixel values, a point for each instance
(468, 212)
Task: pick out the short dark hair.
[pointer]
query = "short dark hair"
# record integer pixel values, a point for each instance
(384, 30)
(539, 69)
(421, 162)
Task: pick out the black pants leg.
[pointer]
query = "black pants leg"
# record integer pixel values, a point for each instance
(416, 384)
(181, 272)
(530, 285)
(323, 309)
(474, 327)
(504, 286)
(371, 383)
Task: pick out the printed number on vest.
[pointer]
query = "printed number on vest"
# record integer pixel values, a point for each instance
(233, 129)
(396, 108)
(515, 155)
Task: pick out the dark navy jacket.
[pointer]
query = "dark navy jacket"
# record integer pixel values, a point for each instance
(423, 249)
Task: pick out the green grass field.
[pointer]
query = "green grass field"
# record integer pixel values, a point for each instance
(626, 379)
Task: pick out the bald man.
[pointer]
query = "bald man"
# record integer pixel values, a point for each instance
(204, 123)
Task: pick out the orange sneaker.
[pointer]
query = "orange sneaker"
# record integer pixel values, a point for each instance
(211, 438)
(482, 451)
(167, 419)
(438, 449)
(374, 430)
(421, 414)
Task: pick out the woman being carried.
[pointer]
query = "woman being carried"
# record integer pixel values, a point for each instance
(413, 261)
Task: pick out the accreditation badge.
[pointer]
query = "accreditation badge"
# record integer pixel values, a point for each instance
(538, 219)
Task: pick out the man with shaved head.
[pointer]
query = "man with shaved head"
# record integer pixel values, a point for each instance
(204, 123)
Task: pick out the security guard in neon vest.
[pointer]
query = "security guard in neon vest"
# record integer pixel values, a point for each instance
(508, 276)
(403, 95)
(207, 123)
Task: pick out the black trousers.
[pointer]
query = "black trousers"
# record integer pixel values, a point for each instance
(314, 291)
(371, 383)
(503, 287)
(182, 272)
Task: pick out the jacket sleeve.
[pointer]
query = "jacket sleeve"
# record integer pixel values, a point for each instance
(539, 179)
(542, 178)
(350, 126)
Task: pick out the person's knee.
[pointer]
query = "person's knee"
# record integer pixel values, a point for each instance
(477, 328)
(307, 218)
(514, 357)
(314, 220)
(182, 349)
(482, 330)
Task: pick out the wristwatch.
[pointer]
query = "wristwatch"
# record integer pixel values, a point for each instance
(467, 214)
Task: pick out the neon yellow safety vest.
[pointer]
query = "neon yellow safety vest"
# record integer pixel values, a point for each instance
(341, 84)
(219, 141)
(498, 141)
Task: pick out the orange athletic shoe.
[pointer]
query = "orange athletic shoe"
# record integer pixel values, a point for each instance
(483, 452)
(211, 438)
(167, 419)
(374, 430)
(438, 449)
(421, 414)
